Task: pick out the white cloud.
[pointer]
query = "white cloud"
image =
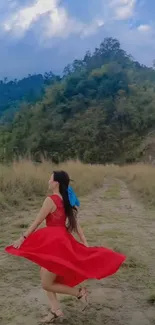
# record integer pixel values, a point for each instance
(58, 22)
(123, 9)
(91, 28)
(144, 28)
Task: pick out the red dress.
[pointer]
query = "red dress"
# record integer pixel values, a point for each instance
(55, 249)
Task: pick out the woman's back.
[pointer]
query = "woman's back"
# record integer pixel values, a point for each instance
(58, 217)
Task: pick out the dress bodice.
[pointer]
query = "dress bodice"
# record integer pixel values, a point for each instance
(58, 217)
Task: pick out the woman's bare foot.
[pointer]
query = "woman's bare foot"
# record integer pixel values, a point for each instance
(52, 316)
(83, 297)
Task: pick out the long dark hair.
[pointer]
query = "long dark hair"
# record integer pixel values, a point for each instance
(71, 212)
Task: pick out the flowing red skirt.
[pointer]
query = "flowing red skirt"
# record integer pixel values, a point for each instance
(58, 251)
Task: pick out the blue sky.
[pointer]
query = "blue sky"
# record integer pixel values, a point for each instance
(42, 35)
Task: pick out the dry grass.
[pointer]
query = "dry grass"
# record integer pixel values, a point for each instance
(141, 178)
(24, 180)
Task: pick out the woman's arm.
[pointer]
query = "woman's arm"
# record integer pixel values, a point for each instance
(47, 207)
(81, 234)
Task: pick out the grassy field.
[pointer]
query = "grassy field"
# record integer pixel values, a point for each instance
(25, 181)
(112, 214)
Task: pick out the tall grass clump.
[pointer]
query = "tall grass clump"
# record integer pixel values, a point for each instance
(25, 180)
(141, 178)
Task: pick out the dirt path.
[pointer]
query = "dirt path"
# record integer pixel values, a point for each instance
(112, 218)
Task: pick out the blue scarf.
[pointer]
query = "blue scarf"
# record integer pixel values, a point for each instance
(74, 201)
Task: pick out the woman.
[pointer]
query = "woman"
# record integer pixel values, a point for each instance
(64, 261)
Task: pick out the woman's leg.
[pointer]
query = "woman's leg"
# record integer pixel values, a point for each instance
(54, 304)
(48, 284)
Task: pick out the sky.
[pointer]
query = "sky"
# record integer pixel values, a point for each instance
(45, 35)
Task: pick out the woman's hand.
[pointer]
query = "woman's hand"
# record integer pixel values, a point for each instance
(86, 244)
(18, 242)
(81, 235)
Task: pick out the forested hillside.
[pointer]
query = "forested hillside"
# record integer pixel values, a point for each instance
(99, 111)
(16, 92)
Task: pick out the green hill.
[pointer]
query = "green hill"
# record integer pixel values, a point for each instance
(99, 111)
(14, 93)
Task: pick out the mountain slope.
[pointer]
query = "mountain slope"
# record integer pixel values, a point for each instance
(15, 92)
(99, 112)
